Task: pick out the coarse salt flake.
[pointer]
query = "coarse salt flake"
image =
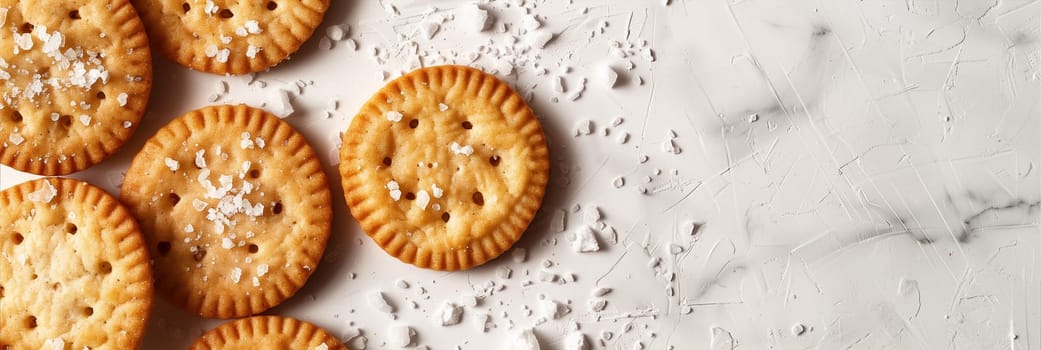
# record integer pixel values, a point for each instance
(43, 195)
(171, 163)
(461, 150)
(394, 116)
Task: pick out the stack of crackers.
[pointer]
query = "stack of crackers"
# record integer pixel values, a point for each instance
(226, 210)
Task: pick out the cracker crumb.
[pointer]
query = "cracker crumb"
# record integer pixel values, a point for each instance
(525, 340)
(378, 302)
(585, 241)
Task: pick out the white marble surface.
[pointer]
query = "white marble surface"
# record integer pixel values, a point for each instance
(864, 173)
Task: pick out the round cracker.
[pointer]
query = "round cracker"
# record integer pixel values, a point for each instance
(230, 37)
(267, 332)
(462, 131)
(73, 268)
(75, 77)
(235, 208)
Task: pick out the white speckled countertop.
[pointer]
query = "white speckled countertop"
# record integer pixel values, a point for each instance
(862, 174)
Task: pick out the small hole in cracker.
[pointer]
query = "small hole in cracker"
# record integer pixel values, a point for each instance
(445, 216)
(253, 248)
(65, 120)
(71, 228)
(74, 14)
(30, 322)
(413, 123)
(16, 117)
(494, 160)
(34, 277)
(18, 238)
(174, 198)
(1, 291)
(55, 286)
(87, 311)
(226, 13)
(277, 208)
(163, 247)
(101, 95)
(186, 7)
(386, 161)
(271, 5)
(255, 173)
(199, 253)
(105, 267)
(468, 125)
(478, 198)
(410, 196)
(26, 28)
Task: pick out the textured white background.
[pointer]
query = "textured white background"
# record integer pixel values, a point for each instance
(863, 169)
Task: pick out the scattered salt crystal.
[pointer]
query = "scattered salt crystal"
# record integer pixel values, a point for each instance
(504, 272)
(548, 277)
(520, 255)
(451, 314)
(525, 340)
(481, 321)
(476, 18)
(560, 220)
(529, 22)
(85, 119)
(601, 291)
(236, 275)
(442, 107)
(394, 116)
(675, 248)
(585, 241)
(429, 29)
(552, 309)
(337, 32)
(798, 329)
(583, 127)
(609, 232)
(54, 344)
(608, 76)
(623, 137)
(222, 55)
(253, 27)
(591, 215)
(324, 43)
(226, 243)
(597, 305)
(401, 284)
(378, 302)
(43, 195)
(540, 38)
(618, 182)
(436, 191)
(558, 84)
(284, 107)
(400, 336)
(468, 300)
(351, 44)
(262, 270)
(575, 341)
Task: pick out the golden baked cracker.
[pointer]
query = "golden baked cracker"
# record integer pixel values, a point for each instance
(73, 269)
(230, 36)
(444, 167)
(235, 208)
(267, 332)
(75, 76)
